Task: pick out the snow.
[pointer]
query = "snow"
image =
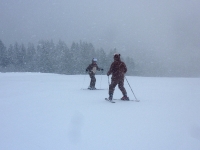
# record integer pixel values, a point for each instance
(50, 111)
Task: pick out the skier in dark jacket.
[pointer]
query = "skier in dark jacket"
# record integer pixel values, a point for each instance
(117, 69)
(91, 69)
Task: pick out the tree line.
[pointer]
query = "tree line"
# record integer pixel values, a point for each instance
(48, 57)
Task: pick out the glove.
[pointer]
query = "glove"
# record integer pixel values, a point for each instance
(102, 69)
(86, 70)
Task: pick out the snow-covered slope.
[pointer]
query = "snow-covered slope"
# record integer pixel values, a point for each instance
(51, 112)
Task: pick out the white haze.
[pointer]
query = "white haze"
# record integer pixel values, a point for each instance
(166, 31)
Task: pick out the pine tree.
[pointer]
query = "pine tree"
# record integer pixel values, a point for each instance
(130, 65)
(45, 54)
(11, 56)
(31, 58)
(76, 58)
(22, 58)
(87, 54)
(3, 60)
(63, 58)
(102, 59)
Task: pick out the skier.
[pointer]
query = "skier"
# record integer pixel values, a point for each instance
(117, 69)
(91, 69)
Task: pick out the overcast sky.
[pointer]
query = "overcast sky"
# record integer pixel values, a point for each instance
(165, 28)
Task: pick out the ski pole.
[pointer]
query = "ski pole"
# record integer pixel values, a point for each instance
(108, 81)
(101, 79)
(131, 89)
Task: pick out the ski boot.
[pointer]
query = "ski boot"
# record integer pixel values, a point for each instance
(110, 98)
(125, 98)
(91, 88)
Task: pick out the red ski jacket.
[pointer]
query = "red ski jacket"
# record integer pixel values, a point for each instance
(117, 69)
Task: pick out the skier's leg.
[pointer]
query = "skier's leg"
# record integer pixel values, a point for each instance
(121, 87)
(112, 86)
(90, 80)
(93, 80)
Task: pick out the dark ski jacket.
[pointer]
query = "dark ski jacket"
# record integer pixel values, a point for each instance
(92, 68)
(117, 69)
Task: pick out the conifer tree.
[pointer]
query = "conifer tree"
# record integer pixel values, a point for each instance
(3, 55)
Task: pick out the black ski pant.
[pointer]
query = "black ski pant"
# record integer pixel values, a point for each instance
(93, 79)
(114, 82)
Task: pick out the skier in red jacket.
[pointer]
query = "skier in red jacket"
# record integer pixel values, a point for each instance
(117, 69)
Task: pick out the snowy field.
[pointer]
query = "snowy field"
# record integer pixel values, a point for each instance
(51, 112)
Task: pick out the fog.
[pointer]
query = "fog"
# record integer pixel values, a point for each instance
(163, 34)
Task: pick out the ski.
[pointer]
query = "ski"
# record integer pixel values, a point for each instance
(127, 100)
(109, 100)
(94, 89)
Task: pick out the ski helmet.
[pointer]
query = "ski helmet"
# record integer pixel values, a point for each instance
(94, 60)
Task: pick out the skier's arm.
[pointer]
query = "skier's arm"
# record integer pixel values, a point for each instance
(110, 70)
(99, 69)
(88, 68)
(125, 68)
